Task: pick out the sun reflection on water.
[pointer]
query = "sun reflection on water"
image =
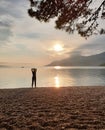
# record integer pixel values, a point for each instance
(57, 81)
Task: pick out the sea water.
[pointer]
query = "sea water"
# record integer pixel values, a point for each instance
(17, 77)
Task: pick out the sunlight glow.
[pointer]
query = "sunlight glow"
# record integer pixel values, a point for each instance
(58, 47)
(57, 82)
(57, 67)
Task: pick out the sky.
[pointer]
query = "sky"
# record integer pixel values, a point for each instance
(25, 40)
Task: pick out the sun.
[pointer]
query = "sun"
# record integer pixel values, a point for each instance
(58, 47)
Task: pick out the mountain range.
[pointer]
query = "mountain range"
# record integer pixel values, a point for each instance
(78, 60)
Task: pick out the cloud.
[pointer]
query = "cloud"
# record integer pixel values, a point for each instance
(91, 47)
(5, 32)
(5, 24)
(10, 8)
(10, 12)
(30, 35)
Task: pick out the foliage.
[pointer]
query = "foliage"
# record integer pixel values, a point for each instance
(70, 15)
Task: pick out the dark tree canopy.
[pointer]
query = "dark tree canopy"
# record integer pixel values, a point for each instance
(71, 15)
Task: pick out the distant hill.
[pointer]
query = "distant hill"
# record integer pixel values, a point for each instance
(102, 64)
(78, 60)
(4, 66)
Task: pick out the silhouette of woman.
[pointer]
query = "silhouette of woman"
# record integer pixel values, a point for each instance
(34, 70)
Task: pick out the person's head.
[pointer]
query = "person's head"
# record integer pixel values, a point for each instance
(33, 69)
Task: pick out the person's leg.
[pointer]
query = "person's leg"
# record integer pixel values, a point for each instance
(35, 82)
(32, 82)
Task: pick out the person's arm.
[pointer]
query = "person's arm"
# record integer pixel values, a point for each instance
(32, 69)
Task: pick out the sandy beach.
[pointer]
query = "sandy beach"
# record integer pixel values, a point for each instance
(68, 108)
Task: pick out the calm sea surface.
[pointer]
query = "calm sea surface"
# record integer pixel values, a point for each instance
(15, 77)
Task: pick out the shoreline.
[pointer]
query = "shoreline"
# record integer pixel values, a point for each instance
(51, 87)
(50, 108)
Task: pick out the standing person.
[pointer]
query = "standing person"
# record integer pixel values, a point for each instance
(34, 70)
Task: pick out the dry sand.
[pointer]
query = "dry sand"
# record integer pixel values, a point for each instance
(72, 108)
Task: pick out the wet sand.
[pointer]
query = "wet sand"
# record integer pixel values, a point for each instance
(69, 108)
